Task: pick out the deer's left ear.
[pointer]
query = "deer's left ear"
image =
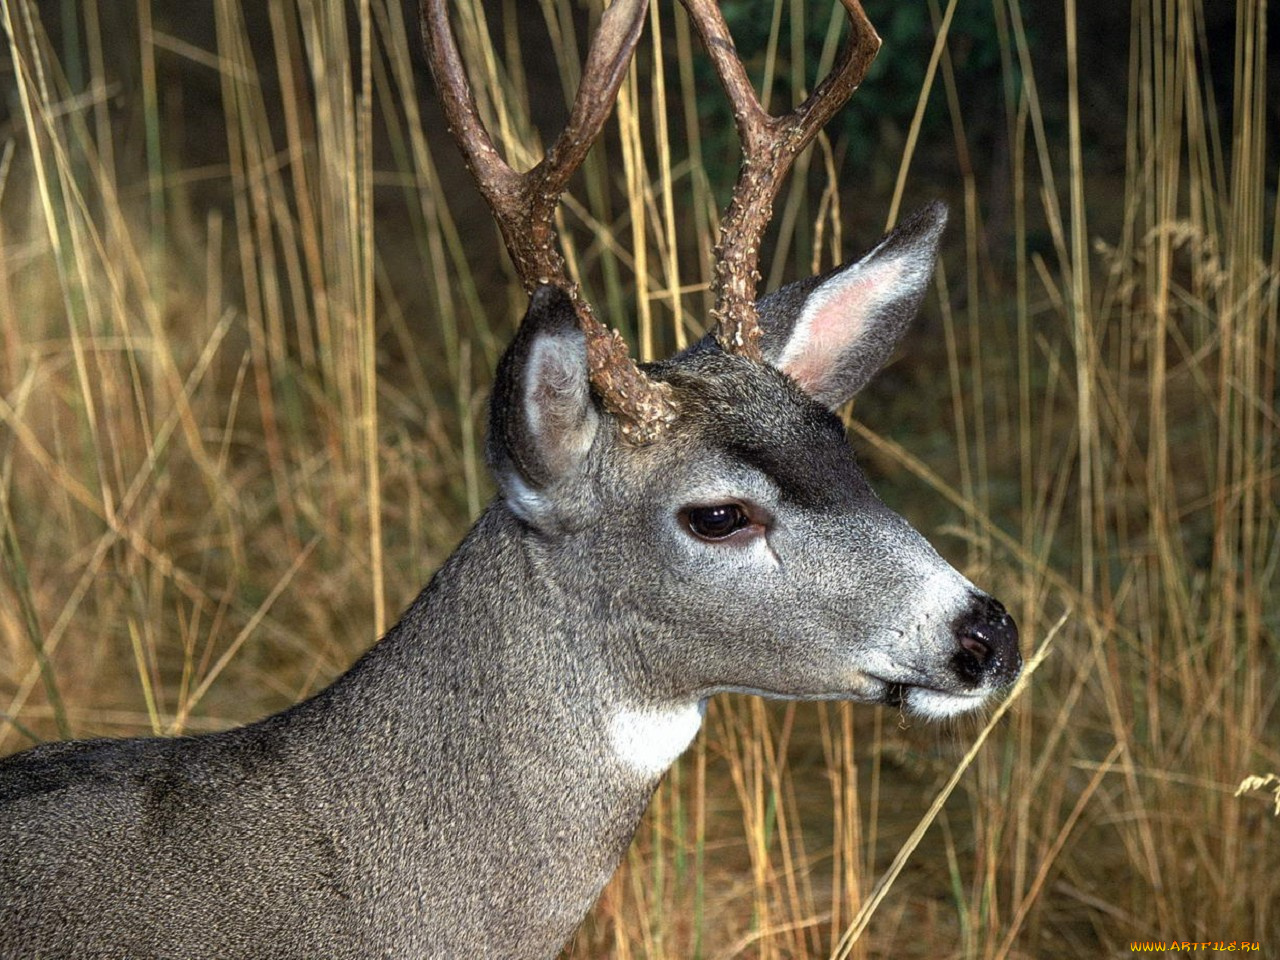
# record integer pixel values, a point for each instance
(832, 333)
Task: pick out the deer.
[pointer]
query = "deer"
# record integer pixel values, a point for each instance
(661, 533)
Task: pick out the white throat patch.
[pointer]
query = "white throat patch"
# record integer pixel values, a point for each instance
(649, 739)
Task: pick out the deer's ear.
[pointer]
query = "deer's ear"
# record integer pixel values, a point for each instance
(541, 417)
(832, 333)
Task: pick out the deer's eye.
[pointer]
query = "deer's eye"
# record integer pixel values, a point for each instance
(717, 522)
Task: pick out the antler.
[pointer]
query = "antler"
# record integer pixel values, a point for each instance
(524, 204)
(769, 145)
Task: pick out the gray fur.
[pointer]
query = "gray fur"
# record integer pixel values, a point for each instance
(463, 790)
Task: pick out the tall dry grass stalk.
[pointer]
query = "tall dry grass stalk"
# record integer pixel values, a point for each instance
(237, 434)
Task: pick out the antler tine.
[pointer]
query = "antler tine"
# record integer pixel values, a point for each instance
(769, 146)
(524, 204)
(607, 60)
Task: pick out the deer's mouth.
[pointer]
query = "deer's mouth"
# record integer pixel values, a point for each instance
(933, 703)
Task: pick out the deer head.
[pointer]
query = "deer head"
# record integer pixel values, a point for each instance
(768, 564)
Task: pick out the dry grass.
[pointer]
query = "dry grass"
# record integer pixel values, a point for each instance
(233, 443)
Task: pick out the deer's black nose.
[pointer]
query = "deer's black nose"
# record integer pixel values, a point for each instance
(987, 639)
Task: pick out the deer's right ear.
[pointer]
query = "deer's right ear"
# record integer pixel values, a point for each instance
(832, 333)
(541, 417)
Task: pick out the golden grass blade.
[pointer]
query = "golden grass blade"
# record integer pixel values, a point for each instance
(881, 890)
(207, 681)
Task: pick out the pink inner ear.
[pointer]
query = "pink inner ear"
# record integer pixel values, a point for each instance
(832, 322)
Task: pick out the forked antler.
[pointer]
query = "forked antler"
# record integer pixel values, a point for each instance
(524, 204)
(769, 146)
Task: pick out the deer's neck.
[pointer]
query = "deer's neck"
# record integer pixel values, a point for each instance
(494, 749)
